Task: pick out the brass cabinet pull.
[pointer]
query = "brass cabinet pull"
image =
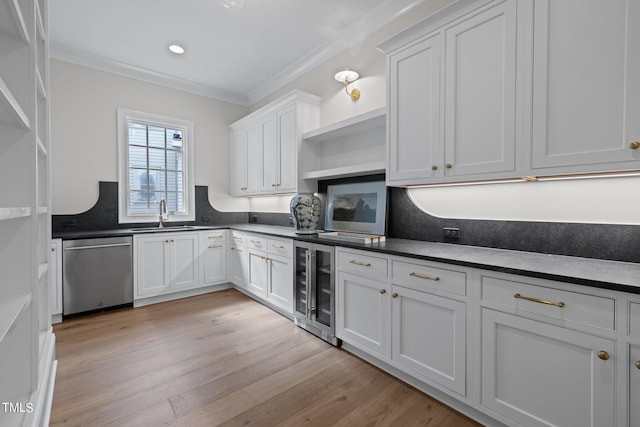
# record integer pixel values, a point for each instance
(166, 241)
(434, 167)
(274, 185)
(424, 276)
(448, 165)
(243, 188)
(634, 145)
(215, 246)
(383, 291)
(540, 301)
(257, 242)
(233, 249)
(172, 240)
(216, 237)
(278, 246)
(638, 364)
(237, 238)
(603, 355)
(364, 264)
(394, 295)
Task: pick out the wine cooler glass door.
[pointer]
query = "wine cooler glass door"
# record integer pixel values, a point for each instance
(302, 256)
(323, 291)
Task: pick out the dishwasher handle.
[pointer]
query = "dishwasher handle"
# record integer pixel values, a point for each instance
(112, 245)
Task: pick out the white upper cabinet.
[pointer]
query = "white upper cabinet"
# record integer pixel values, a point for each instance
(480, 93)
(514, 88)
(452, 96)
(586, 86)
(266, 145)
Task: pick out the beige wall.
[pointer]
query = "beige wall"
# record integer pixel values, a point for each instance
(83, 133)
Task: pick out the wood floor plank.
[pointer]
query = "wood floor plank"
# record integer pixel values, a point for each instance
(221, 359)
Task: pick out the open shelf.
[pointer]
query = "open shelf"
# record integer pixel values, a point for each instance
(346, 171)
(12, 16)
(13, 213)
(350, 126)
(10, 110)
(11, 307)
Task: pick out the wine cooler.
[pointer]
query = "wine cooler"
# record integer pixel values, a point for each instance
(315, 290)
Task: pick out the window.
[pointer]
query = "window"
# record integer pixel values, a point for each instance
(156, 163)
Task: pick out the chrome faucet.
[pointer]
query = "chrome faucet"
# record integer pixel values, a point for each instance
(163, 213)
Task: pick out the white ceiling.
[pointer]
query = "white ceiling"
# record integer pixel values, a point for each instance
(239, 56)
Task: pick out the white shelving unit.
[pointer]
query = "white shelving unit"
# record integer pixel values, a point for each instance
(27, 365)
(351, 147)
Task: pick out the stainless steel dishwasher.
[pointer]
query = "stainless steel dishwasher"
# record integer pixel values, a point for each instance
(97, 273)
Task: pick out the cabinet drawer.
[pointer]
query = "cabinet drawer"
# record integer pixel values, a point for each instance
(238, 238)
(363, 264)
(421, 276)
(256, 242)
(280, 247)
(217, 236)
(568, 306)
(634, 319)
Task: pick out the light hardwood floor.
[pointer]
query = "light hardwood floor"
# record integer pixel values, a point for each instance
(222, 359)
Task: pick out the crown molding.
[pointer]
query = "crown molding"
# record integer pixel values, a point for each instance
(354, 33)
(85, 59)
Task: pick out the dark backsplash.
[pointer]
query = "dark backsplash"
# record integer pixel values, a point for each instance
(404, 221)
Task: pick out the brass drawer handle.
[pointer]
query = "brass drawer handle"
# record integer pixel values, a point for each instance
(603, 355)
(540, 301)
(383, 291)
(243, 188)
(216, 237)
(394, 295)
(278, 246)
(424, 276)
(265, 258)
(215, 246)
(634, 145)
(364, 264)
(237, 238)
(257, 242)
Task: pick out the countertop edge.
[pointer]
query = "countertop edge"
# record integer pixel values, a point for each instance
(581, 271)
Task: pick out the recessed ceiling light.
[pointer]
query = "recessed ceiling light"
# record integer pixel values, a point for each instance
(232, 4)
(178, 50)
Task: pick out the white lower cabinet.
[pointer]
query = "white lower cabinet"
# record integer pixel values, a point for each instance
(270, 270)
(237, 259)
(213, 256)
(634, 385)
(429, 337)
(55, 281)
(363, 315)
(165, 263)
(538, 374)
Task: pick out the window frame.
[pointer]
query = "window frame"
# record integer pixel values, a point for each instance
(124, 117)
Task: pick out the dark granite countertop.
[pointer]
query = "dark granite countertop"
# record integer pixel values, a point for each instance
(622, 276)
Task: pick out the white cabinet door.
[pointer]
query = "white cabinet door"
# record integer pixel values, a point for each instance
(237, 265)
(287, 150)
(480, 94)
(55, 278)
(152, 264)
(429, 337)
(280, 291)
(257, 272)
(415, 144)
(245, 161)
(269, 147)
(239, 164)
(586, 86)
(185, 260)
(538, 374)
(213, 250)
(363, 315)
(634, 385)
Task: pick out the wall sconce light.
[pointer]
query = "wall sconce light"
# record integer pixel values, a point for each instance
(346, 77)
